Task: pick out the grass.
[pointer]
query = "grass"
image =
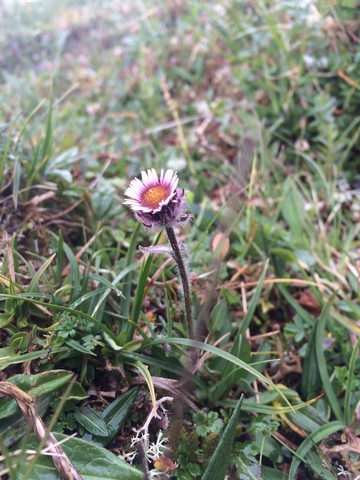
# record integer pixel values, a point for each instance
(256, 105)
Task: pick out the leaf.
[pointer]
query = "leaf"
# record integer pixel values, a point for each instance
(48, 382)
(218, 315)
(144, 370)
(310, 378)
(139, 296)
(20, 342)
(78, 347)
(26, 357)
(269, 473)
(254, 301)
(90, 461)
(284, 253)
(292, 209)
(62, 161)
(223, 354)
(8, 406)
(126, 288)
(61, 308)
(316, 465)
(115, 415)
(76, 393)
(230, 374)
(112, 286)
(321, 362)
(92, 421)
(13, 427)
(348, 408)
(33, 285)
(318, 435)
(219, 462)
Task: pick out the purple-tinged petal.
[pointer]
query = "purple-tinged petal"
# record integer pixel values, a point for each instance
(156, 200)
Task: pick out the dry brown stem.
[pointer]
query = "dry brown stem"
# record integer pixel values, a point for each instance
(27, 406)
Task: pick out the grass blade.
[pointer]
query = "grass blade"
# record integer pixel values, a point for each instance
(219, 462)
(321, 433)
(223, 354)
(126, 288)
(321, 361)
(254, 302)
(348, 409)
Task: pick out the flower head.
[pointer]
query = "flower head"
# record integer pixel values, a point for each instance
(157, 202)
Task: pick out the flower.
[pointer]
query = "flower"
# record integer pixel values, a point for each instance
(157, 202)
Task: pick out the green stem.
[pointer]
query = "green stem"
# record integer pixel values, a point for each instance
(184, 280)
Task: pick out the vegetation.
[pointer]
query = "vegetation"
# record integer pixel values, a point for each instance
(256, 105)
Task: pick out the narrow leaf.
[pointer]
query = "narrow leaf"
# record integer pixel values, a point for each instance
(321, 361)
(348, 408)
(115, 415)
(321, 433)
(310, 378)
(92, 421)
(254, 301)
(144, 370)
(219, 462)
(222, 354)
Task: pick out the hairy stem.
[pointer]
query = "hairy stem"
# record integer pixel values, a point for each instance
(184, 280)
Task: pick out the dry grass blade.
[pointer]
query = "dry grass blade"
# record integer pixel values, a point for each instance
(26, 404)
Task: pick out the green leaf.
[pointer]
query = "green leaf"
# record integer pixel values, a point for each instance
(130, 257)
(115, 415)
(230, 374)
(139, 296)
(292, 209)
(20, 342)
(14, 426)
(78, 347)
(33, 285)
(60, 308)
(317, 466)
(321, 362)
(269, 473)
(219, 462)
(92, 421)
(26, 357)
(144, 370)
(284, 253)
(310, 379)
(222, 354)
(112, 286)
(8, 406)
(89, 460)
(218, 314)
(321, 433)
(77, 392)
(254, 301)
(348, 408)
(48, 382)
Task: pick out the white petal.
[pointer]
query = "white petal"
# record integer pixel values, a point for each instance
(169, 175)
(145, 178)
(157, 249)
(135, 189)
(150, 178)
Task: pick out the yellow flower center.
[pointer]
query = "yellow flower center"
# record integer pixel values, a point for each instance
(152, 197)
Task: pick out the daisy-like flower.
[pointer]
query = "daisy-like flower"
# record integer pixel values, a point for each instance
(157, 202)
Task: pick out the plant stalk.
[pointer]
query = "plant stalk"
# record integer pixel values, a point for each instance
(184, 280)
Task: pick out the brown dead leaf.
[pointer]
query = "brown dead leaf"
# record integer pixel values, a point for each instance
(307, 300)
